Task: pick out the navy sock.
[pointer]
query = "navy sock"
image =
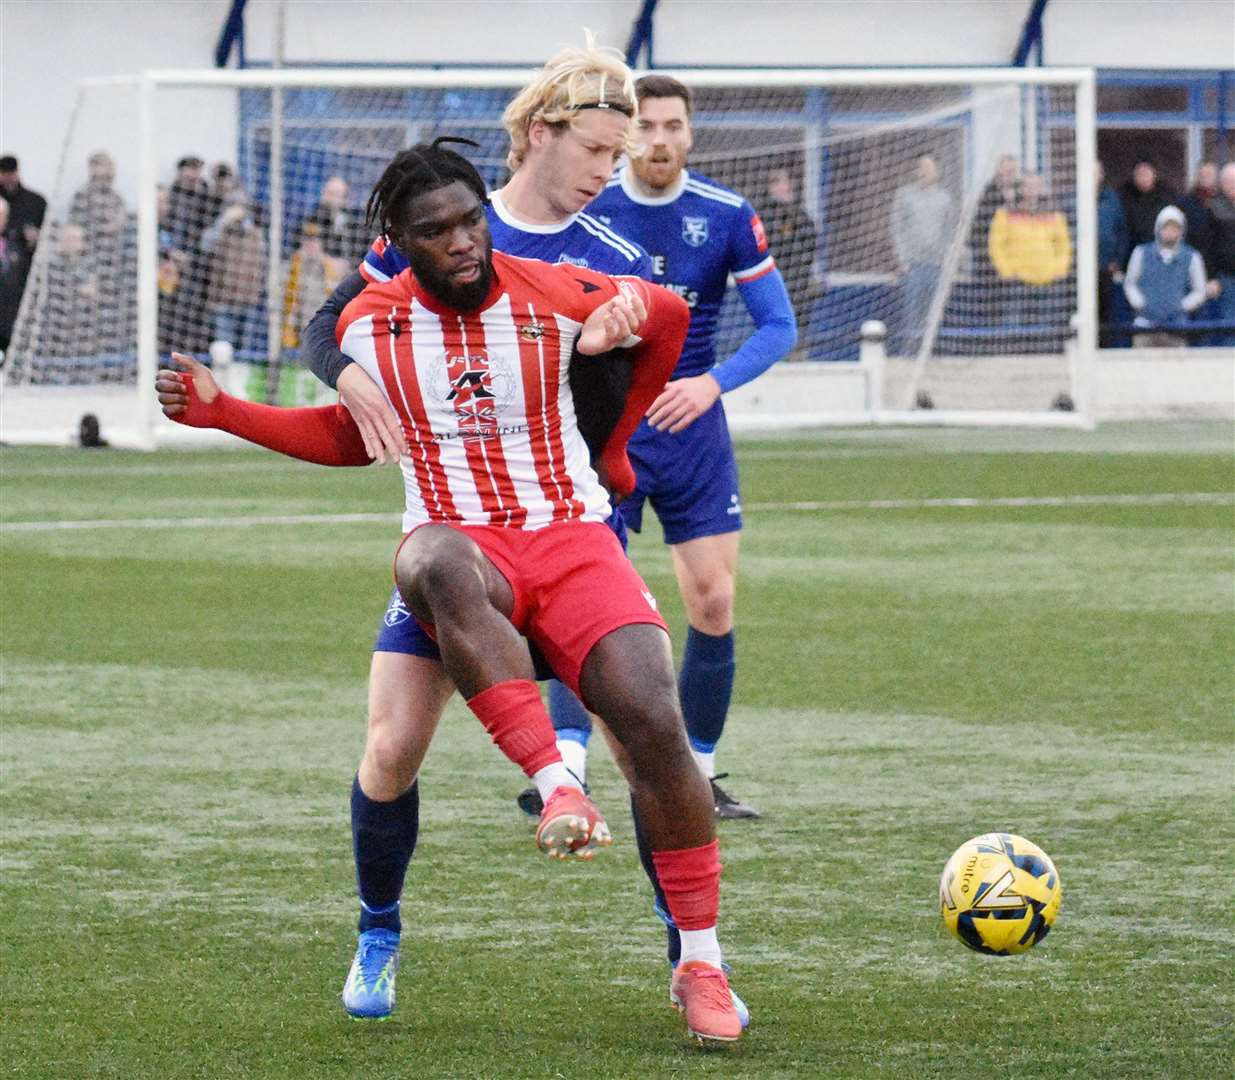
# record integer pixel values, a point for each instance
(706, 686)
(568, 713)
(383, 840)
(674, 943)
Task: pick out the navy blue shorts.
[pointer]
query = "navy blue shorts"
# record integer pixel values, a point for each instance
(691, 479)
(399, 632)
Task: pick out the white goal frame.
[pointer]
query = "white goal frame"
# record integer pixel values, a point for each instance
(149, 429)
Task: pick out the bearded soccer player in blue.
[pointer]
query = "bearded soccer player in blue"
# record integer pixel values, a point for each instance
(698, 234)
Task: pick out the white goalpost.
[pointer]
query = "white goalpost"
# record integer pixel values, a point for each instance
(925, 290)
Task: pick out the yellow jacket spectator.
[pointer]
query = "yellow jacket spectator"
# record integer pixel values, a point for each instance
(1030, 243)
(311, 278)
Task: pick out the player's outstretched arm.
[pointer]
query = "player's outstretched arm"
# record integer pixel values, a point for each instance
(325, 436)
(379, 426)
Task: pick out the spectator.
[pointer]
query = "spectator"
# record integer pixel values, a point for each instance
(1002, 190)
(1032, 253)
(1143, 199)
(188, 215)
(97, 207)
(311, 277)
(99, 211)
(72, 312)
(173, 263)
(14, 266)
(922, 221)
(1222, 251)
(343, 233)
(26, 207)
(223, 181)
(238, 274)
(1195, 205)
(1165, 282)
(169, 239)
(188, 209)
(1113, 251)
(794, 239)
(1199, 228)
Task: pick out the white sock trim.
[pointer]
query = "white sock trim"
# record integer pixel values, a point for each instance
(574, 755)
(551, 777)
(706, 762)
(700, 945)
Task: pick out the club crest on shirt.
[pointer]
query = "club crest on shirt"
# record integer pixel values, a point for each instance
(532, 331)
(695, 231)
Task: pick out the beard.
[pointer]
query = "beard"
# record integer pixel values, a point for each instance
(465, 297)
(659, 175)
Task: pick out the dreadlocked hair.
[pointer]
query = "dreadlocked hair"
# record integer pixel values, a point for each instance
(416, 171)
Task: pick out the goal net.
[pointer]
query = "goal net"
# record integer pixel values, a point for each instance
(212, 212)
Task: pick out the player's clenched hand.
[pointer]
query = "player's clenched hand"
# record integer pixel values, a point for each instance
(379, 427)
(612, 323)
(178, 396)
(682, 402)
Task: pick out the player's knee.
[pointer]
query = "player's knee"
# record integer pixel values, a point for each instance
(393, 748)
(655, 734)
(711, 609)
(431, 575)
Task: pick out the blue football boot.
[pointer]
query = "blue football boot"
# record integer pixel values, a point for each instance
(369, 993)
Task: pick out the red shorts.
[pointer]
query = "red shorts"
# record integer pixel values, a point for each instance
(572, 585)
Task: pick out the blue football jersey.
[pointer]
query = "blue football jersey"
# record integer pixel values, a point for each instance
(580, 240)
(697, 235)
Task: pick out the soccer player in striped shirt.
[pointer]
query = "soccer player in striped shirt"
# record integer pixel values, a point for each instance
(698, 233)
(568, 128)
(505, 516)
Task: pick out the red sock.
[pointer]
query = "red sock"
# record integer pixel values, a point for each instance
(690, 879)
(515, 719)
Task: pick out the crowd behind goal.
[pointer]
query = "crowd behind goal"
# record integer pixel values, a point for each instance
(878, 245)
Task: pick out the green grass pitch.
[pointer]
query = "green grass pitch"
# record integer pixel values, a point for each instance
(183, 710)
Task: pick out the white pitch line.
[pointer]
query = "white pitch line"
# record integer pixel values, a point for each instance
(1176, 498)
(1203, 498)
(238, 522)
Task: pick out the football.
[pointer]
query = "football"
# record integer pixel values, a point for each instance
(999, 894)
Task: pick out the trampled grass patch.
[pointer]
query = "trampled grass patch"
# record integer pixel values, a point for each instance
(183, 709)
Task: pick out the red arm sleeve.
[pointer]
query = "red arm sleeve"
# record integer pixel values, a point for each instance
(325, 436)
(663, 334)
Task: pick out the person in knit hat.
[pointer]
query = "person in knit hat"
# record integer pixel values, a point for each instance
(1165, 282)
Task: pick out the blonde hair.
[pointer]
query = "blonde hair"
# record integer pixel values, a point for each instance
(574, 79)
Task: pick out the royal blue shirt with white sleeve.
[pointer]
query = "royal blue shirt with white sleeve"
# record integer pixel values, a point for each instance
(699, 234)
(580, 240)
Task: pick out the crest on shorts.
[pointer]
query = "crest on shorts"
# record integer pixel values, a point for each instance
(695, 231)
(397, 613)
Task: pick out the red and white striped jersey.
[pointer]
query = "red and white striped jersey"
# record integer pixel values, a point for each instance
(483, 397)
